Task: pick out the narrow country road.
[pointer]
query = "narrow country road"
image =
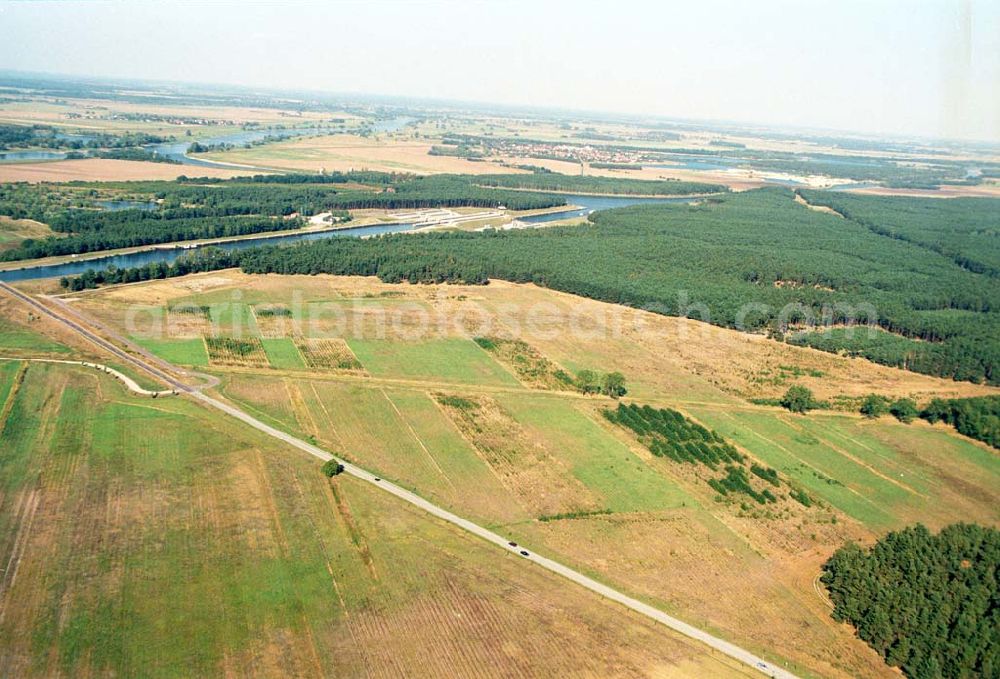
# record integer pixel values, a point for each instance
(131, 384)
(720, 645)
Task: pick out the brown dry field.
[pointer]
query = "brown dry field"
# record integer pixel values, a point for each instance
(13, 231)
(984, 190)
(664, 355)
(105, 170)
(49, 111)
(350, 152)
(648, 173)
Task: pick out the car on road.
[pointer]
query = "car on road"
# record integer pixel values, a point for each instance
(512, 544)
(524, 553)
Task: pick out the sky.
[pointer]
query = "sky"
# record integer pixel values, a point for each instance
(904, 67)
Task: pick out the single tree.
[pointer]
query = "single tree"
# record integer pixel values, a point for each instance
(331, 468)
(874, 406)
(904, 410)
(798, 399)
(588, 382)
(613, 385)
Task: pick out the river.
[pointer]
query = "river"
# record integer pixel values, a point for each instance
(168, 253)
(177, 150)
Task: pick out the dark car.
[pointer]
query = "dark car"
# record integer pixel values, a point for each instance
(524, 553)
(512, 544)
(377, 478)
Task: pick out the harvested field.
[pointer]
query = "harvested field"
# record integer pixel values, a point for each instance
(160, 522)
(345, 152)
(526, 468)
(100, 169)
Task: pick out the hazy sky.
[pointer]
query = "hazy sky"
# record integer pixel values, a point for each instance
(928, 67)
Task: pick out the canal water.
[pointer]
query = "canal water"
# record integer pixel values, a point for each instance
(168, 253)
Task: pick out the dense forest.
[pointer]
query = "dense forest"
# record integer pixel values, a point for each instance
(929, 604)
(755, 260)
(553, 181)
(965, 229)
(193, 210)
(874, 344)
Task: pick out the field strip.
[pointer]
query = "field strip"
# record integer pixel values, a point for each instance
(475, 449)
(416, 438)
(424, 385)
(858, 461)
(26, 517)
(299, 409)
(329, 418)
(131, 384)
(15, 386)
(732, 650)
(803, 462)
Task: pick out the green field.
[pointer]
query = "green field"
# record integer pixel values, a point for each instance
(454, 360)
(861, 468)
(234, 318)
(281, 353)
(595, 457)
(180, 351)
(17, 338)
(8, 369)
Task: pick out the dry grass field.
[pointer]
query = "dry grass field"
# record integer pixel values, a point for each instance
(438, 414)
(13, 231)
(100, 169)
(103, 115)
(349, 152)
(152, 539)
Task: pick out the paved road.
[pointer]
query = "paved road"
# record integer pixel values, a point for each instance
(93, 338)
(720, 645)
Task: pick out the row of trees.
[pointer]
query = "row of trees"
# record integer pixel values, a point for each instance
(668, 433)
(977, 418)
(23, 136)
(903, 409)
(203, 259)
(152, 232)
(587, 184)
(610, 384)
